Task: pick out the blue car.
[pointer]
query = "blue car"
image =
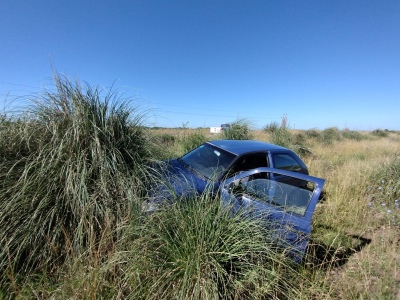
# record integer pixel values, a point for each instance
(269, 181)
(286, 206)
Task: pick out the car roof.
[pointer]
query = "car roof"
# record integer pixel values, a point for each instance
(240, 147)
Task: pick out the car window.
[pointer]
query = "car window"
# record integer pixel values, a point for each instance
(208, 160)
(263, 189)
(252, 161)
(248, 162)
(285, 162)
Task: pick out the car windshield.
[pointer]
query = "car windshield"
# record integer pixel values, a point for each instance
(208, 160)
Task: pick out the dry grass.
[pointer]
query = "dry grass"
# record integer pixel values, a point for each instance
(352, 221)
(359, 176)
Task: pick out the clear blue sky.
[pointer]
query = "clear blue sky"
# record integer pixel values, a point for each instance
(322, 63)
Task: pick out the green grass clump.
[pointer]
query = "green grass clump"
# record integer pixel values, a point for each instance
(196, 249)
(313, 134)
(166, 139)
(192, 141)
(330, 135)
(352, 135)
(239, 130)
(327, 136)
(163, 145)
(380, 133)
(282, 137)
(69, 172)
(271, 127)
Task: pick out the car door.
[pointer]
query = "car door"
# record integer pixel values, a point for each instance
(285, 206)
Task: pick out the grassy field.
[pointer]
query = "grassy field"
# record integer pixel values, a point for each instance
(73, 175)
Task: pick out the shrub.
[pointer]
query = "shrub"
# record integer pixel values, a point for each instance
(239, 130)
(68, 174)
(299, 138)
(380, 133)
(271, 127)
(282, 137)
(313, 134)
(163, 145)
(330, 135)
(352, 135)
(166, 139)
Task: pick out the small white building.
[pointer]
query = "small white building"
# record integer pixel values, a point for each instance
(215, 129)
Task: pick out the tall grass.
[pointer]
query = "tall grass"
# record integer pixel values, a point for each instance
(380, 133)
(239, 130)
(353, 135)
(69, 173)
(192, 140)
(197, 249)
(361, 192)
(282, 136)
(164, 145)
